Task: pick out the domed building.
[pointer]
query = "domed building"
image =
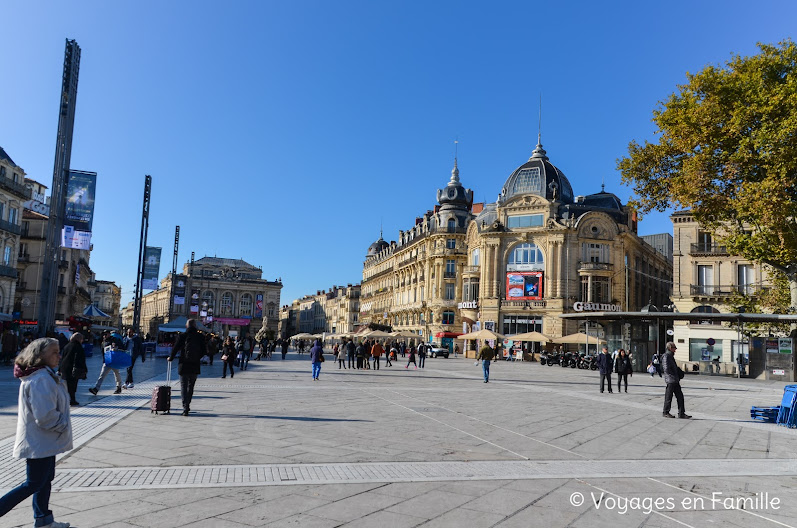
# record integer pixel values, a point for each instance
(540, 251)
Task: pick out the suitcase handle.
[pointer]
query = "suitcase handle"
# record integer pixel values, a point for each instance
(168, 373)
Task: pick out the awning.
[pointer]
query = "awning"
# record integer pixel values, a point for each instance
(93, 311)
(178, 325)
(448, 334)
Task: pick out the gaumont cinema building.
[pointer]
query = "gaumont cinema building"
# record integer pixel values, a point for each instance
(517, 264)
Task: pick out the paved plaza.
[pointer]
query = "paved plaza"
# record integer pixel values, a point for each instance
(537, 446)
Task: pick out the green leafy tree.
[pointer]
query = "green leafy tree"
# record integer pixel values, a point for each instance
(727, 151)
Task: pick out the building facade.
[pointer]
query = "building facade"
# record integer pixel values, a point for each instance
(107, 296)
(227, 295)
(540, 251)
(413, 284)
(707, 278)
(13, 194)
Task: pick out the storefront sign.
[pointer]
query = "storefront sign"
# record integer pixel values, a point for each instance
(596, 307)
(233, 321)
(468, 305)
(37, 207)
(771, 346)
(784, 345)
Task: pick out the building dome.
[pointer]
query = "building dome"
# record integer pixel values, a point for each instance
(538, 176)
(375, 248)
(455, 195)
(603, 200)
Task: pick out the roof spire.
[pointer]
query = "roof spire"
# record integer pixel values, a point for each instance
(455, 170)
(539, 152)
(603, 183)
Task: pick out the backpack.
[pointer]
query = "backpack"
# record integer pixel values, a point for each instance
(246, 345)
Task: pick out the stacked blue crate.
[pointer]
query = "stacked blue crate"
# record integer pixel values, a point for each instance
(787, 417)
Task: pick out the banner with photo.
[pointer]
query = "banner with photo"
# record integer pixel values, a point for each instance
(194, 301)
(80, 191)
(259, 305)
(524, 285)
(178, 288)
(152, 265)
(71, 239)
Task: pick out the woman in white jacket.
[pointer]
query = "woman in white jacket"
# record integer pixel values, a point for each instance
(43, 428)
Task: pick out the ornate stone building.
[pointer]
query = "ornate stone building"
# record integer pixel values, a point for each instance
(540, 251)
(13, 193)
(414, 284)
(107, 296)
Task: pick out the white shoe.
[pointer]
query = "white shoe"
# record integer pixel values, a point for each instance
(56, 525)
(129, 385)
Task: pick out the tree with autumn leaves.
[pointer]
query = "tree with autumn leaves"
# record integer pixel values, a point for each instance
(727, 152)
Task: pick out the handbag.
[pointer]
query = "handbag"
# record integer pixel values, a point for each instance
(79, 373)
(651, 369)
(225, 357)
(117, 358)
(321, 358)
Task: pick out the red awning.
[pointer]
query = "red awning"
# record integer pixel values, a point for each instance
(448, 334)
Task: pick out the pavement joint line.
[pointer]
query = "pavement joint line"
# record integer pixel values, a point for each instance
(142, 478)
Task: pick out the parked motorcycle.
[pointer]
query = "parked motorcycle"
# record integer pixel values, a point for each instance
(554, 358)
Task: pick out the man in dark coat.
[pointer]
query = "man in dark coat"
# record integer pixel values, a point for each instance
(605, 368)
(72, 359)
(673, 380)
(191, 347)
(10, 346)
(134, 346)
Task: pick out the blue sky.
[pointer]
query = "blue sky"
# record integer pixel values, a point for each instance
(285, 133)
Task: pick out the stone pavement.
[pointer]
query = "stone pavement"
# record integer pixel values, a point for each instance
(537, 446)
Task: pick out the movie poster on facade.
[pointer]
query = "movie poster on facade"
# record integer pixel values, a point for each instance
(80, 190)
(152, 265)
(259, 305)
(524, 285)
(179, 289)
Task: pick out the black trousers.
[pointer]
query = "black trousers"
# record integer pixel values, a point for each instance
(387, 361)
(228, 363)
(341, 363)
(71, 386)
(674, 388)
(621, 378)
(351, 362)
(376, 362)
(187, 382)
(608, 379)
(421, 361)
(133, 364)
(359, 362)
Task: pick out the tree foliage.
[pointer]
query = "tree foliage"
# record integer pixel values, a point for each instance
(727, 151)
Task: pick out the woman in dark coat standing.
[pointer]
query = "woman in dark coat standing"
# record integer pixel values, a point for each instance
(73, 365)
(228, 351)
(622, 366)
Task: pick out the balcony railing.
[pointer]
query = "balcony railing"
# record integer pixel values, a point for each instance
(595, 266)
(449, 274)
(702, 248)
(472, 269)
(16, 188)
(8, 271)
(11, 228)
(25, 257)
(702, 290)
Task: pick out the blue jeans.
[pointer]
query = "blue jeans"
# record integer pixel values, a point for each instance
(316, 369)
(40, 473)
(486, 369)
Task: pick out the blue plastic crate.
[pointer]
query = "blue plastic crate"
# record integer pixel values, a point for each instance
(765, 414)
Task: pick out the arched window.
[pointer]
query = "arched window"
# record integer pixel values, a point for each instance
(525, 257)
(452, 225)
(226, 304)
(245, 305)
(706, 309)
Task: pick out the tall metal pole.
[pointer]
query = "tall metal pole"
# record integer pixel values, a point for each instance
(141, 250)
(63, 155)
(174, 270)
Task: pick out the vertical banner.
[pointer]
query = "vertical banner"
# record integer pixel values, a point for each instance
(259, 305)
(79, 212)
(152, 264)
(179, 289)
(77, 274)
(194, 301)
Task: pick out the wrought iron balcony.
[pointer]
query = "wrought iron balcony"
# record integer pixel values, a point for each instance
(595, 266)
(8, 271)
(449, 274)
(702, 290)
(17, 188)
(11, 228)
(702, 248)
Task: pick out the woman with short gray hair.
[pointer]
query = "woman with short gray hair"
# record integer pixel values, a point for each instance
(43, 428)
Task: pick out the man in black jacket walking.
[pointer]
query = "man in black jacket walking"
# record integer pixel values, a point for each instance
(605, 368)
(191, 347)
(672, 377)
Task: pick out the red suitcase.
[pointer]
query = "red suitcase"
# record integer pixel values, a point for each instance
(162, 395)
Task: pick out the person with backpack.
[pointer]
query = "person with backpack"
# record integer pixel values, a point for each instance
(109, 342)
(244, 352)
(656, 363)
(191, 347)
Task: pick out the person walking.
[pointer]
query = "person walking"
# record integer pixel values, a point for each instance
(73, 366)
(622, 366)
(422, 354)
(486, 355)
(108, 343)
(391, 354)
(605, 368)
(657, 363)
(316, 358)
(227, 357)
(351, 352)
(191, 347)
(44, 428)
(456, 350)
(213, 347)
(672, 376)
(403, 349)
(135, 347)
(10, 345)
(341, 354)
(411, 353)
(285, 344)
(376, 351)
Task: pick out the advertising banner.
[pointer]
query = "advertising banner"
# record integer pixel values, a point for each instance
(524, 285)
(71, 239)
(259, 305)
(194, 301)
(152, 264)
(233, 321)
(80, 190)
(179, 289)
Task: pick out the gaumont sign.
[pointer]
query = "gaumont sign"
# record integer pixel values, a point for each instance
(596, 307)
(468, 305)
